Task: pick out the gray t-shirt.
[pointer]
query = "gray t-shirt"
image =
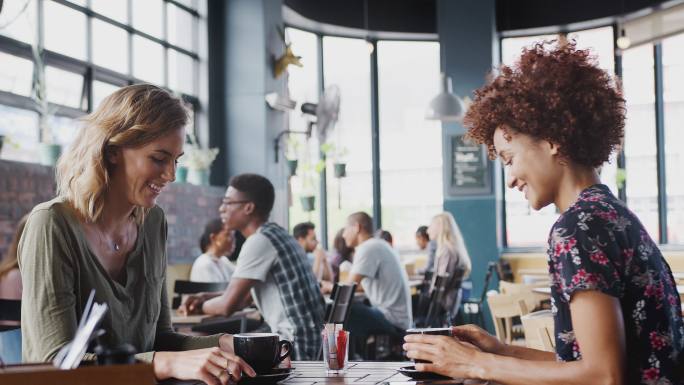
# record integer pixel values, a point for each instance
(257, 256)
(384, 281)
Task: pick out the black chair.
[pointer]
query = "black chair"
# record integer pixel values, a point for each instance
(181, 287)
(471, 311)
(338, 310)
(10, 310)
(342, 296)
(504, 271)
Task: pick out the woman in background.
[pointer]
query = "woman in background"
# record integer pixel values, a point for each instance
(451, 257)
(216, 244)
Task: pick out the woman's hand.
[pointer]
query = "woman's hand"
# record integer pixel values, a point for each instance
(448, 356)
(213, 366)
(479, 337)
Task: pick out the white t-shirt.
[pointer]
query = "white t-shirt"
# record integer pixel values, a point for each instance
(384, 281)
(208, 268)
(256, 258)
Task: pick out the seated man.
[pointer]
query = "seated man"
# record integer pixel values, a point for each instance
(376, 266)
(272, 265)
(305, 235)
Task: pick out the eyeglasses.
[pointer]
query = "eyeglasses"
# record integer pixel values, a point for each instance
(228, 202)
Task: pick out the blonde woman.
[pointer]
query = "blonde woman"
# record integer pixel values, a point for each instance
(451, 255)
(104, 231)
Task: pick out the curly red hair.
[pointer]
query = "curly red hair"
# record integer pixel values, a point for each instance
(558, 95)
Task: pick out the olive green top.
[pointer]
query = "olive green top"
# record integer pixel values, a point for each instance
(59, 269)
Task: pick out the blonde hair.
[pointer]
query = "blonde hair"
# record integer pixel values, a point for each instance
(450, 239)
(132, 116)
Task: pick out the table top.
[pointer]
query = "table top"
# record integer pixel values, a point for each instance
(364, 373)
(199, 318)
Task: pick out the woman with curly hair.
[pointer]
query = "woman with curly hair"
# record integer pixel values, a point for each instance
(553, 119)
(105, 232)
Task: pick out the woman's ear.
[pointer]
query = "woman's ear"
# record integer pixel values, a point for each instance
(112, 154)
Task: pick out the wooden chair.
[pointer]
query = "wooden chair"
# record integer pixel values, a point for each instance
(524, 289)
(539, 330)
(503, 308)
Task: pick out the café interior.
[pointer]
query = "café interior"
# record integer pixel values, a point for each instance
(358, 117)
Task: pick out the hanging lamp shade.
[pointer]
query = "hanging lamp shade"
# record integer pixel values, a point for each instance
(446, 106)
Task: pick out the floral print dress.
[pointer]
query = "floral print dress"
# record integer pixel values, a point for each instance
(599, 244)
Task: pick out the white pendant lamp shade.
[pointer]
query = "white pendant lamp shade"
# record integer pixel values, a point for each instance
(446, 106)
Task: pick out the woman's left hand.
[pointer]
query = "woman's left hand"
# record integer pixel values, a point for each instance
(449, 356)
(226, 343)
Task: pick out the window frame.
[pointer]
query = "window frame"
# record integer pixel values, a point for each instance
(92, 72)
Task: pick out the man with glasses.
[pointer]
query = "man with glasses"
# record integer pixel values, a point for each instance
(271, 265)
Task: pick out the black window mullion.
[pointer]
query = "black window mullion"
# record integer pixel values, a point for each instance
(165, 35)
(621, 159)
(323, 212)
(660, 141)
(375, 136)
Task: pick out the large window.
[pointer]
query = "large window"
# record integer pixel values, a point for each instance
(408, 75)
(641, 184)
(303, 86)
(90, 49)
(346, 63)
(526, 227)
(673, 95)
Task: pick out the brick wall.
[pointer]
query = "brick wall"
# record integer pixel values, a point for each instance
(187, 207)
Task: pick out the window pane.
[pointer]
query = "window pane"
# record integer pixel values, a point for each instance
(640, 138)
(65, 30)
(524, 226)
(114, 9)
(16, 75)
(188, 3)
(409, 77)
(147, 17)
(64, 130)
(600, 42)
(181, 72)
(148, 60)
(303, 87)
(64, 87)
(101, 90)
(19, 17)
(181, 27)
(346, 63)
(21, 130)
(110, 46)
(673, 81)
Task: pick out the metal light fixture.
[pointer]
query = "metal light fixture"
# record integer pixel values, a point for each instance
(446, 106)
(623, 41)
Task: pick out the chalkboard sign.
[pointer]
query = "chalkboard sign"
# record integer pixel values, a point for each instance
(470, 169)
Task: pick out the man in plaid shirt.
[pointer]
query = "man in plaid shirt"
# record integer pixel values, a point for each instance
(272, 265)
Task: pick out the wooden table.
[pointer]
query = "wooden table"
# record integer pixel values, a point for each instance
(363, 373)
(179, 321)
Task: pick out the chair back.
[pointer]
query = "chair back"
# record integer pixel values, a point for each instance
(504, 270)
(503, 308)
(436, 310)
(341, 296)
(491, 266)
(539, 329)
(10, 310)
(181, 287)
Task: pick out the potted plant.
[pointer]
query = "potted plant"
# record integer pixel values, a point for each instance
(197, 161)
(308, 188)
(49, 151)
(292, 154)
(337, 155)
